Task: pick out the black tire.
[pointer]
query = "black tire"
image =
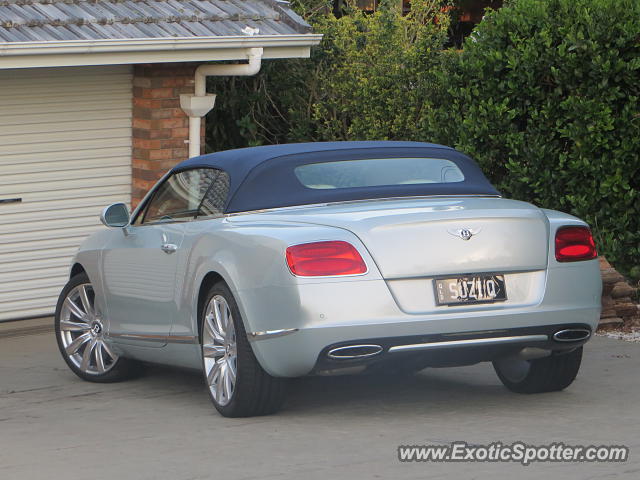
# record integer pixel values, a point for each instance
(550, 374)
(255, 391)
(119, 369)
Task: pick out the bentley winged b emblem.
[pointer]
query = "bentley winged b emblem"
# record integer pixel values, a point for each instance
(464, 233)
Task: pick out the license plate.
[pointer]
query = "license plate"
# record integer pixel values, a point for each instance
(468, 289)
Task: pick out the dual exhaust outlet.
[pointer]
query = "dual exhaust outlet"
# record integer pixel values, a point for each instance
(360, 351)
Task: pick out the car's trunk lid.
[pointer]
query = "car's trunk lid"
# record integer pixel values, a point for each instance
(426, 237)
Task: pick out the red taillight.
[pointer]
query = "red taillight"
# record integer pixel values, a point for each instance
(574, 244)
(325, 258)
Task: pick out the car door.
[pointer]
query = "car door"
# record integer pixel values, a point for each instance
(139, 265)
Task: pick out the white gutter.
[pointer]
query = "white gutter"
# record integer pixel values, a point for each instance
(198, 105)
(151, 44)
(151, 50)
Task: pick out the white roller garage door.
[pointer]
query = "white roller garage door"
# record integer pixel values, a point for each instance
(65, 151)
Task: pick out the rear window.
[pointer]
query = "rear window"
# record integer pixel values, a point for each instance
(376, 172)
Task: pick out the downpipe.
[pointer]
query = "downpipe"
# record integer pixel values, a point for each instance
(200, 103)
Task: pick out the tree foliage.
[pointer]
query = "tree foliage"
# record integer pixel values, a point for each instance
(544, 95)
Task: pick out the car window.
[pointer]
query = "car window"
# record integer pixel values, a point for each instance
(180, 196)
(216, 196)
(378, 172)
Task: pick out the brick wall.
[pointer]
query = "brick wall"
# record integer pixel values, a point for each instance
(160, 127)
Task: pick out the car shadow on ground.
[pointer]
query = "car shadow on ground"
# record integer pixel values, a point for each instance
(448, 389)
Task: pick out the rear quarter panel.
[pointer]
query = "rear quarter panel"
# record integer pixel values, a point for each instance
(250, 257)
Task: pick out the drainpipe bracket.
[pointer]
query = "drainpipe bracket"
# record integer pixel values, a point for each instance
(197, 106)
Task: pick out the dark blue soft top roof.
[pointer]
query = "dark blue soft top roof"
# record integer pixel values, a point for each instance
(262, 177)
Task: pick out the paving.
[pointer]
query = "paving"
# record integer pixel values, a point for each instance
(162, 425)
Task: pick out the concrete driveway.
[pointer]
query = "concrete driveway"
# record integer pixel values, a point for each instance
(162, 425)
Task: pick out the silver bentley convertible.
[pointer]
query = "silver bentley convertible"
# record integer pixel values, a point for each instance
(264, 263)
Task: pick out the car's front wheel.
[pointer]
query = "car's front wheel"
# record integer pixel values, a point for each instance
(238, 386)
(548, 374)
(80, 332)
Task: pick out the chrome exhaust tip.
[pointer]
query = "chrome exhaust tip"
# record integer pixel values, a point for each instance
(572, 335)
(354, 351)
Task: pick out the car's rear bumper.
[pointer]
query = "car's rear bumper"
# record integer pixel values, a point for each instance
(315, 317)
(306, 350)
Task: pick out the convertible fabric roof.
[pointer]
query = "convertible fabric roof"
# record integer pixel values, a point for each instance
(263, 177)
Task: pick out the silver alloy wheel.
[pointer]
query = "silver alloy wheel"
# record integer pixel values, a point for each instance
(81, 331)
(219, 349)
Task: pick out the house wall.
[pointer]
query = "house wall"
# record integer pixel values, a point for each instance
(160, 126)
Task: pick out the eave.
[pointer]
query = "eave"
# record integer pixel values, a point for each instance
(151, 50)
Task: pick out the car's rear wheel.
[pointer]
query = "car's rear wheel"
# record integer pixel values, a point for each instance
(548, 374)
(238, 386)
(79, 330)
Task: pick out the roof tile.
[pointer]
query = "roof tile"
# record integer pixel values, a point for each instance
(53, 20)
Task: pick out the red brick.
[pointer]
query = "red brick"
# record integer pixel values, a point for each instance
(159, 93)
(147, 102)
(142, 133)
(180, 153)
(159, 154)
(141, 123)
(170, 123)
(138, 163)
(161, 113)
(172, 143)
(141, 153)
(141, 112)
(147, 144)
(171, 102)
(180, 133)
(160, 133)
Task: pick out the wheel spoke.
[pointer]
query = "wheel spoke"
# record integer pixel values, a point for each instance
(99, 358)
(226, 379)
(213, 351)
(68, 326)
(225, 319)
(220, 384)
(212, 329)
(75, 309)
(231, 364)
(107, 349)
(77, 343)
(221, 327)
(86, 355)
(84, 298)
(211, 376)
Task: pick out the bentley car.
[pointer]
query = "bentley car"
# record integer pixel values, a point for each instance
(260, 264)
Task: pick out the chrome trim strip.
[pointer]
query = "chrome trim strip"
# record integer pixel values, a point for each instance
(469, 343)
(254, 336)
(156, 338)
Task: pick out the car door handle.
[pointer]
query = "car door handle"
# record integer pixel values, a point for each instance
(169, 247)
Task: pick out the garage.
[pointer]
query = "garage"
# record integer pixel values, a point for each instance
(65, 143)
(97, 101)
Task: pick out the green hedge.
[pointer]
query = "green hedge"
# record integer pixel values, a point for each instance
(367, 80)
(544, 95)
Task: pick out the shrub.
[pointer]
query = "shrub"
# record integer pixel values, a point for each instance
(545, 97)
(368, 79)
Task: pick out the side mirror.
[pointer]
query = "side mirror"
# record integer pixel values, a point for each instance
(115, 216)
